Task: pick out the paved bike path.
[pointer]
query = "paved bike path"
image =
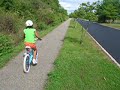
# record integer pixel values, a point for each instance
(12, 76)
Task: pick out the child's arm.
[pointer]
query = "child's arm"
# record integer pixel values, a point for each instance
(37, 35)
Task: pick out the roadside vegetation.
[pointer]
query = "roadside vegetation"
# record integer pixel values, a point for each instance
(46, 14)
(82, 65)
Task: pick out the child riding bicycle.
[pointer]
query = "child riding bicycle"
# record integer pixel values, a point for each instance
(30, 34)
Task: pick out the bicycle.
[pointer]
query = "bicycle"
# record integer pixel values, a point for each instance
(28, 57)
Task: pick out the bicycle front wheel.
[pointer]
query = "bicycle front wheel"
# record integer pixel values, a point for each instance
(26, 64)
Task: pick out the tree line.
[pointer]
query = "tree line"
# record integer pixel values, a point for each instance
(101, 11)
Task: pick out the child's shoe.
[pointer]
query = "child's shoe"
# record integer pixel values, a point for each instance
(34, 61)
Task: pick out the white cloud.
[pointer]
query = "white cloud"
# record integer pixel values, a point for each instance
(71, 5)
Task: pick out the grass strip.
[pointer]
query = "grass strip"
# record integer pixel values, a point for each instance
(82, 66)
(112, 25)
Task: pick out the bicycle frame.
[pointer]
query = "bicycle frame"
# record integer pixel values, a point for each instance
(30, 53)
(28, 57)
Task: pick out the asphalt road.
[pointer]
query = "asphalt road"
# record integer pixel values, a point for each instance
(108, 38)
(12, 76)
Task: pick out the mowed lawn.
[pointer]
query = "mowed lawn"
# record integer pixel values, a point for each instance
(112, 25)
(82, 66)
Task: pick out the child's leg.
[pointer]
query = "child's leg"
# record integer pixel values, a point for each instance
(35, 53)
(35, 50)
(34, 57)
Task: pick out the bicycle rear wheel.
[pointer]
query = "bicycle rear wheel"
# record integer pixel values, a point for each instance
(26, 64)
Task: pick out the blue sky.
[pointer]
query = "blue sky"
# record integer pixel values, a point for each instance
(71, 5)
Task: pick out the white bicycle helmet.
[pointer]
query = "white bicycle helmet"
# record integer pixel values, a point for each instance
(29, 23)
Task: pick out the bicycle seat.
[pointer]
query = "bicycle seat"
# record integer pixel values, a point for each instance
(27, 47)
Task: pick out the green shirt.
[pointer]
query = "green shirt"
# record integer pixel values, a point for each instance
(29, 35)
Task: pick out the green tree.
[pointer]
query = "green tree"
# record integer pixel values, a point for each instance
(86, 11)
(108, 10)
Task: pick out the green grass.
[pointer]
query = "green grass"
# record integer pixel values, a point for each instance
(4, 59)
(113, 25)
(82, 66)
